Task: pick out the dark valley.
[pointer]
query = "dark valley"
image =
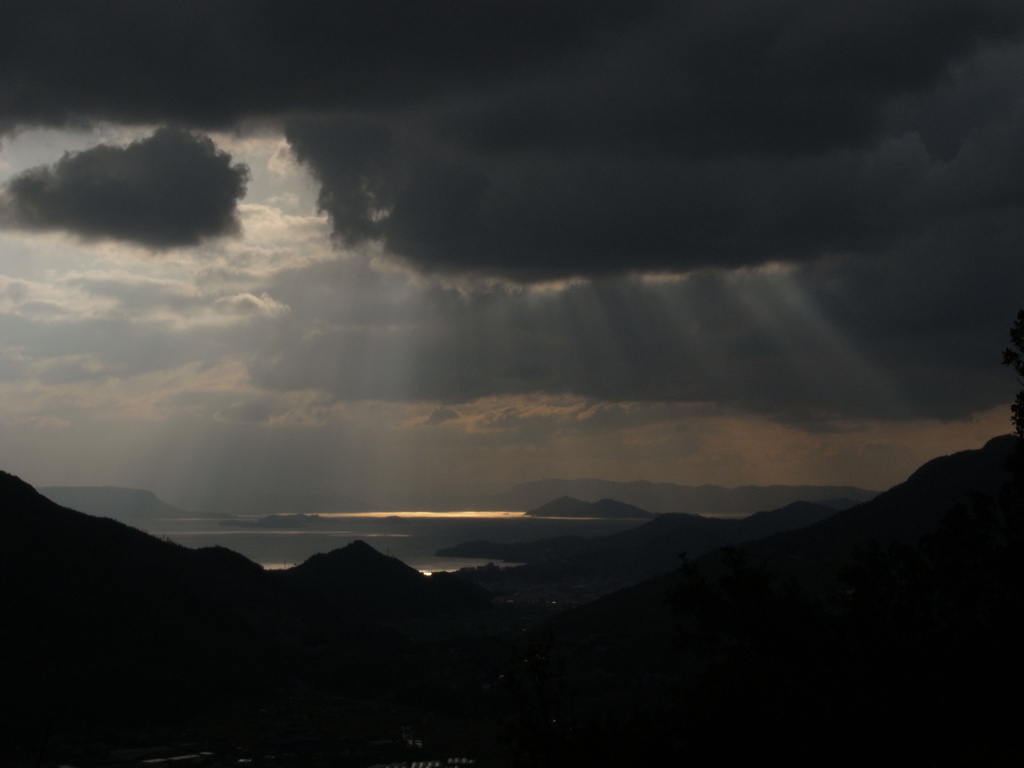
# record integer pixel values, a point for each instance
(112, 633)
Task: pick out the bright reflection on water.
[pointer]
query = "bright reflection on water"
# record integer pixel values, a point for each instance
(473, 515)
(413, 537)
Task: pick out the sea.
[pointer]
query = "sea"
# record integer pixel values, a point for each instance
(413, 537)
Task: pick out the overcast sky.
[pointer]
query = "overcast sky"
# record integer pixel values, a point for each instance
(370, 247)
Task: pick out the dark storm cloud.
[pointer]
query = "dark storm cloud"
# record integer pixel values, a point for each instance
(172, 189)
(710, 135)
(742, 75)
(537, 139)
(213, 63)
(535, 218)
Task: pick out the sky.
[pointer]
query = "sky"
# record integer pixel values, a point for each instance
(398, 247)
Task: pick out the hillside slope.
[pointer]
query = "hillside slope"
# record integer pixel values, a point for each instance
(576, 568)
(637, 620)
(103, 623)
(99, 616)
(661, 498)
(360, 580)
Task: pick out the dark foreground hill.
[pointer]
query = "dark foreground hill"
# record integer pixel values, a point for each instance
(360, 580)
(106, 625)
(576, 568)
(913, 656)
(102, 620)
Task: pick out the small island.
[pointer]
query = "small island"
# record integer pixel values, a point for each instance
(566, 506)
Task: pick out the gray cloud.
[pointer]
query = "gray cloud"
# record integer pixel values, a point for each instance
(815, 345)
(539, 218)
(538, 140)
(711, 135)
(212, 64)
(174, 188)
(251, 412)
(702, 78)
(440, 416)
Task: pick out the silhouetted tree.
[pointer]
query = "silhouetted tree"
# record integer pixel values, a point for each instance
(1013, 356)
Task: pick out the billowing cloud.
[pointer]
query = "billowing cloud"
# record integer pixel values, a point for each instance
(537, 140)
(172, 189)
(540, 140)
(587, 208)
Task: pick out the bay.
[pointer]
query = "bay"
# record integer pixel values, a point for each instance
(413, 537)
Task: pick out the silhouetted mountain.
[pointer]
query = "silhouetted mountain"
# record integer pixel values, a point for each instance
(904, 513)
(660, 498)
(359, 579)
(583, 568)
(103, 623)
(102, 620)
(791, 517)
(566, 506)
(637, 620)
(129, 505)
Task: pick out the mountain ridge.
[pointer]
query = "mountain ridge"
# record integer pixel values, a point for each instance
(640, 617)
(106, 623)
(576, 568)
(661, 497)
(360, 579)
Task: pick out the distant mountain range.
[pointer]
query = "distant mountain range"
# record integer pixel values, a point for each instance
(576, 567)
(135, 506)
(659, 498)
(125, 504)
